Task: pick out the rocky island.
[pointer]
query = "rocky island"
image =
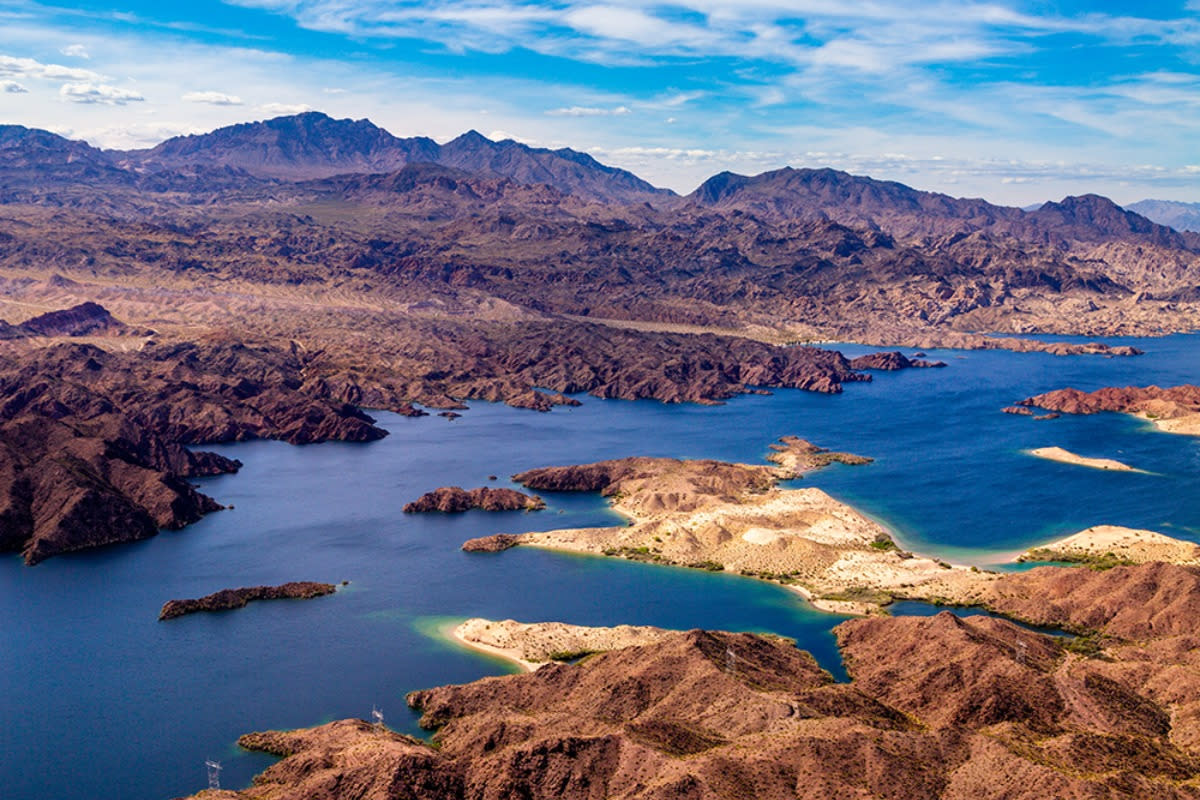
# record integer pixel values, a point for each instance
(452, 499)
(720, 516)
(227, 599)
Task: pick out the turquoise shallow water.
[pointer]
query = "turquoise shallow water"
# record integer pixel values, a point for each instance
(101, 699)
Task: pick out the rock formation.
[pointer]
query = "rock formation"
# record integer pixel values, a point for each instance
(93, 440)
(719, 516)
(453, 499)
(85, 319)
(1175, 409)
(227, 599)
(938, 707)
(895, 360)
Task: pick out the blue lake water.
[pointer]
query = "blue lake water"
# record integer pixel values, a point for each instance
(101, 699)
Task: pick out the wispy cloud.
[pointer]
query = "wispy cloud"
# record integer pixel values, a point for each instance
(213, 98)
(589, 111)
(12, 87)
(75, 51)
(29, 68)
(285, 108)
(98, 93)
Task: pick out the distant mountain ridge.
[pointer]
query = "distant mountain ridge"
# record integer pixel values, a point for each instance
(1177, 214)
(314, 145)
(911, 214)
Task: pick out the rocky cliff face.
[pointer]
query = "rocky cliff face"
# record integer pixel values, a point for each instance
(938, 707)
(76, 483)
(93, 441)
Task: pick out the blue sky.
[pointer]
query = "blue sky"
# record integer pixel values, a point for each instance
(1018, 101)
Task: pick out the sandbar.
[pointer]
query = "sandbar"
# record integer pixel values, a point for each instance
(1067, 457)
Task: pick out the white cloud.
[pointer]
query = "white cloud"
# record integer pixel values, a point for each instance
(29, 68)
(98, 93)
(285, 109)
(588, 111)
(213, 98)
(75, 51)
(12, 87)
(500, 136)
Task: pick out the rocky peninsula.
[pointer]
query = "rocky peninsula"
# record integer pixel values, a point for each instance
(227, 599)
(733, 517)
(938, 707)
(1174, 409)
(453, 499)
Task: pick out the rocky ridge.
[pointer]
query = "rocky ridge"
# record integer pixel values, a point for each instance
(94, 440)
(938, 707)
(1175, 409)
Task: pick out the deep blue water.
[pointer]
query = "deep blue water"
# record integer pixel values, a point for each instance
(101, 699)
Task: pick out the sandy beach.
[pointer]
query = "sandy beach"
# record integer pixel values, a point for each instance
(532, 645)
(1187, 425)
(1113, 544)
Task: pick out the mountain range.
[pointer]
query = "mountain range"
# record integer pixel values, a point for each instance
(1176, 214)
(308, 200)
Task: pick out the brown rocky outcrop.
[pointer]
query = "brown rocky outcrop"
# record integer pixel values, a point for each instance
(1169, 402)
(891, 361)
(496, 543)
(453, 499)
(94, 440)
(1135, 602)
(85, 319)
(940, 707)
(1020, 411)
(71, 484)
(1174, 410)
(227, 599)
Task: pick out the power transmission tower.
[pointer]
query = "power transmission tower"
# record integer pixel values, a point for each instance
(214, 773)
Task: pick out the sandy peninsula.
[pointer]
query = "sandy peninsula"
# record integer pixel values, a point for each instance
(733, 517)
(533, 644)
(1067, 457)
(1111, 545)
